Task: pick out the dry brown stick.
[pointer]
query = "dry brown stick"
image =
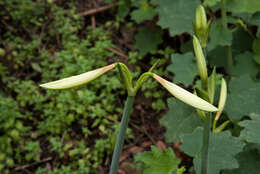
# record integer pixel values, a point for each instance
(97, 10)
(119, 53)
(32, 164)
(93, 22)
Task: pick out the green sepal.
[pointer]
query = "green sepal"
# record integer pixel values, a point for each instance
(202, 94)
(212, 85)
(221, 127)
(126, 76)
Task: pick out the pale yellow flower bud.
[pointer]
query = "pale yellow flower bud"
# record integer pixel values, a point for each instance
(201, 62)
(77, 80)
(201, 18)
(185, 96)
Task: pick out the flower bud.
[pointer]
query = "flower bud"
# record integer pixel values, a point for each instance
(222, 98)
(78, 79)
(201, 18)
(201, 26)
(185, 96)
(201, 62)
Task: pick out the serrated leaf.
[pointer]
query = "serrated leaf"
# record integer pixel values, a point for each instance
(158, 161)
(250, 133)
(180, 119)
(177, 15)
(222, 150)
(243, 98)
(147, 40)
(245, 64)
(219, 35)
(243, 6)
(183, 67)
(143, 13)
(249, 162)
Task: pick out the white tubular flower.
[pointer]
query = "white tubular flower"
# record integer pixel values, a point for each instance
(222, 98)
(185, 96)
(78, 79)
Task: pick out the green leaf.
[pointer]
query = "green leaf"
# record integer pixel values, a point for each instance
(183, 67)
(243, 6)
(255, 20)
(177, 15)
(211, 2)
(145, 12)
(157, 161)
(249, 162)
(219, 35)
(243, 98)
(180, 119)
(222, 150)
(147, 40)
(245, 64)
(256, 50)
(250, 133)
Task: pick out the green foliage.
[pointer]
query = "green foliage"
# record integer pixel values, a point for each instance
(157, 161)
(242, 6)
(147, 40)
(219, 35)
(249, 162)
(176, 16)
(251, 127)
(143, 12)
(222, 150)
(244, 93)
(183, 67)
(181, 119)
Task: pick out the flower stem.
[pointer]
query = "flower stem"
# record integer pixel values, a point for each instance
(225, 26)
(205, 147)
(121, 135)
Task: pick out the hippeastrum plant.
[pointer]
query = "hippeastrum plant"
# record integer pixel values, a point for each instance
(126, 77)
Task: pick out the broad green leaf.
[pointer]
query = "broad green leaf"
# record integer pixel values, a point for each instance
(147, 40)
(180, 119)
(218, 57)
(144, 12)
(222, 150)
(157, 161)
(242, 41)
(211, 2)
(243, 6)
(177, 15)
(256, 50)
(183, 67)
(219, 36)
(250, 133)
(243, 98)
(255, 20)
(245, 64)
(249, 163)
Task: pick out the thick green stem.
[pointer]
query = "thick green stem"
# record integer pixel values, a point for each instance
(121, 135)
(225, 26)
(205, 147)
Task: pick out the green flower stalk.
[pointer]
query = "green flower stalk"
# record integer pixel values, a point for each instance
(201, 62)
(77, 80)
(185, 96)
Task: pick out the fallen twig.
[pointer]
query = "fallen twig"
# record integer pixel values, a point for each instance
(97, 10)
(32, 164)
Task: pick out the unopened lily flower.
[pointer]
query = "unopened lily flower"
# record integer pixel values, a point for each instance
(185, 96)
(77, 80)
(222, 98)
